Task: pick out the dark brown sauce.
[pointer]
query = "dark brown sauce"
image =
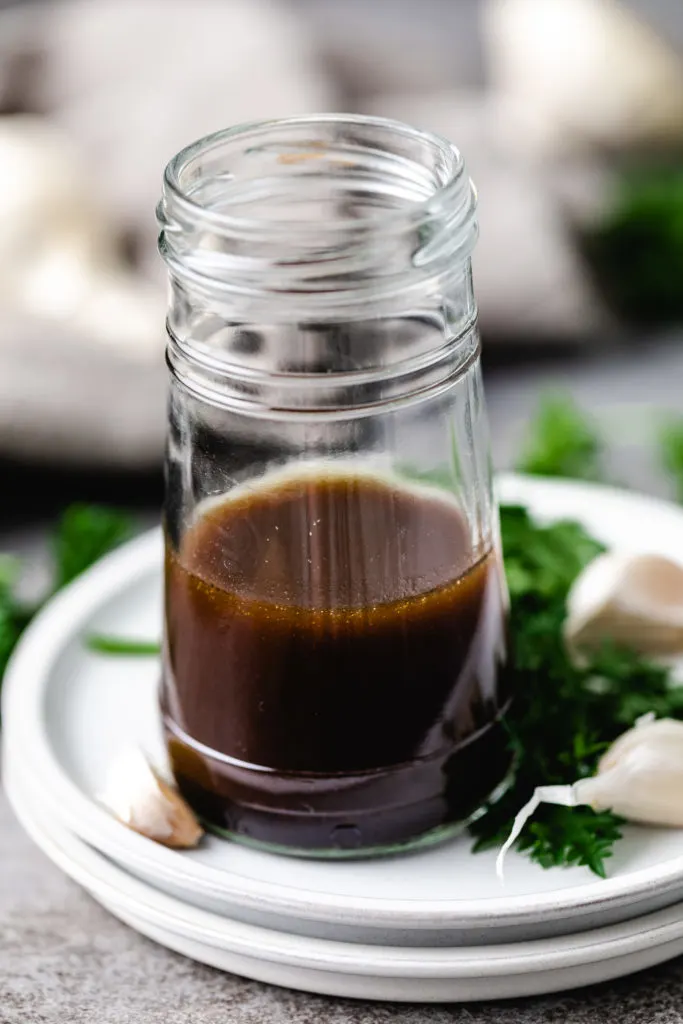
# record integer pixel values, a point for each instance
(333, 649)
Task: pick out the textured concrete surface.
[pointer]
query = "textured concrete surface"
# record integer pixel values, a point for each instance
(65, 960)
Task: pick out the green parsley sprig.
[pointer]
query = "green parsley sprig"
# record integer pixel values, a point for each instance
(83, 535)
(104, 643)
(561, 441)
(636, 253)
(671, 452)
(564, 716)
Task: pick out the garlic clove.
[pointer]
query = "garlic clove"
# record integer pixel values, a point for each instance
(645, 786)
(635, 600)
(640, 778)
(665, 731)
(140, 798)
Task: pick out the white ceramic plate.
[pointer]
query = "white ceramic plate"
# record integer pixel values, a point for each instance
(352, 969)
(67, 712)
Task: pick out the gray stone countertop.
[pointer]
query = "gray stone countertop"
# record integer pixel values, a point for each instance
(64, 959)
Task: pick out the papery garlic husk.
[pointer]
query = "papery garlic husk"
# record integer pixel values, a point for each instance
(141, 799)
(640, 778)
(634, 600)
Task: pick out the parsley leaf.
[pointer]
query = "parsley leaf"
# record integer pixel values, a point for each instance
(671, 452)
(83, 535)
(12, 615)
(543, 560)
(561, 441)
(637, 252)
(86, 533)
(587, 837)
(105, 644)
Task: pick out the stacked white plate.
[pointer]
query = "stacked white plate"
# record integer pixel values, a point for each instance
(433, 925)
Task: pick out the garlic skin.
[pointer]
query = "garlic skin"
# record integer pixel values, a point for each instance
(142, 800)
(641, 776)
(634, 600)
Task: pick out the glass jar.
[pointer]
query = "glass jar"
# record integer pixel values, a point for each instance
(335, 606)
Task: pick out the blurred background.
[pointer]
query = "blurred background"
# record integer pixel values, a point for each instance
(570, 116)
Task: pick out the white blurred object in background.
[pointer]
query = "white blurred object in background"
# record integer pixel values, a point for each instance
(136, 82)
(408, 46)
(120, 87)
(81, 334)
(530, 280)
(126, 83)
(592, 71)
(58, 252)
(52, 224)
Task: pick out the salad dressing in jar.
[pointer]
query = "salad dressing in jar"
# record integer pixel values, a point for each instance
(335, 609)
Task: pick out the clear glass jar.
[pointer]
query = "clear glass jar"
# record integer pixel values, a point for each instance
(335, 610)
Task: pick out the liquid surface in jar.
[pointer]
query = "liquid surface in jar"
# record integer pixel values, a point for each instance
(336, 628)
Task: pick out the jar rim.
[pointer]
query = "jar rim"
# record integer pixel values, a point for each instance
(453, 191)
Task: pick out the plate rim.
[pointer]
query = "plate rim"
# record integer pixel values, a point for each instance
(26, 684)
(109, 881)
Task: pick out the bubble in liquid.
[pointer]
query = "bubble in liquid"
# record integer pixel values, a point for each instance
(346, 837)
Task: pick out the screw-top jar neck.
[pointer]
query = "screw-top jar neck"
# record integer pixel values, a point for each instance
(318, 265)
(310, 216)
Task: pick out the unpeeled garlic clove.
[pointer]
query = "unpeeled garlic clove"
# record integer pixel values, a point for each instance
(633, 600)
(640, 778)
(140, 798)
